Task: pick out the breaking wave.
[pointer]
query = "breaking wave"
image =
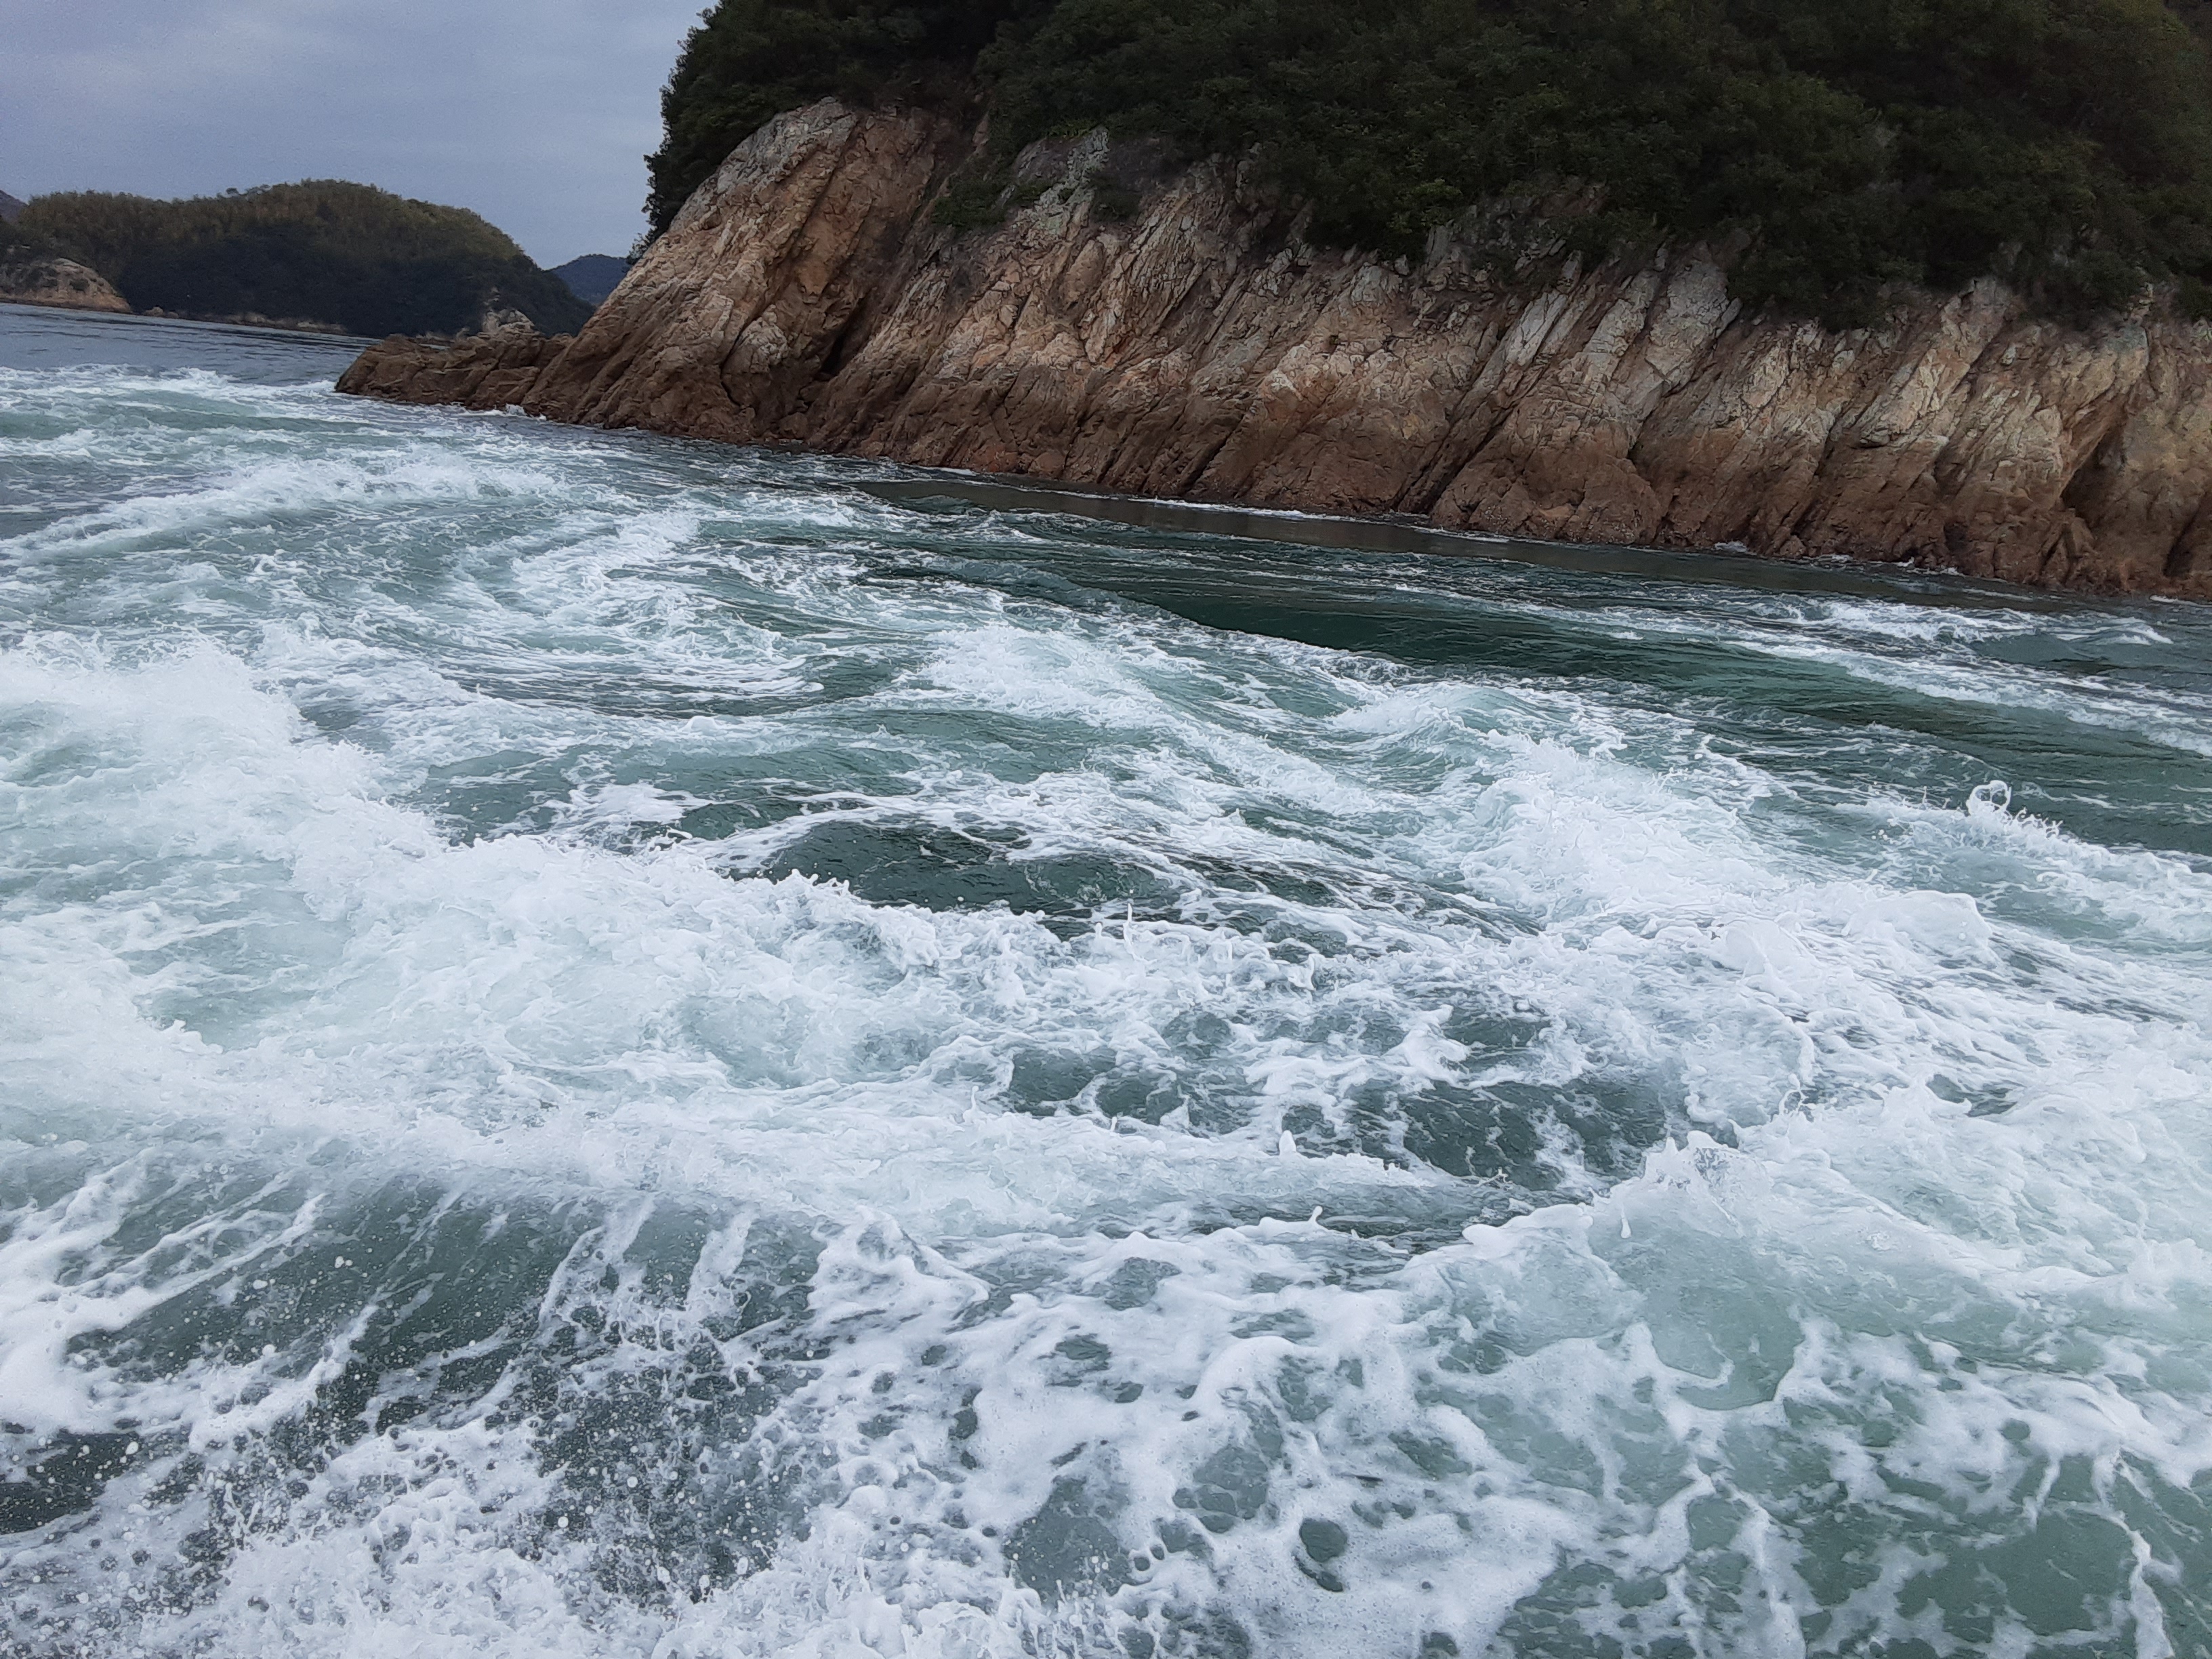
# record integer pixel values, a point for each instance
(615, 1046)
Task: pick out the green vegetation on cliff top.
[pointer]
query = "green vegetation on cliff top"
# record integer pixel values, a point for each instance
(322, 250)
(16, 243)
(1838, 145)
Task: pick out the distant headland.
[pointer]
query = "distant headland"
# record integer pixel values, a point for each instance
(323, 255)
(594, 277)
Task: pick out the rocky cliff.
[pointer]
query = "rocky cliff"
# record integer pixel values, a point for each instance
(1168, 333)
(38, 280)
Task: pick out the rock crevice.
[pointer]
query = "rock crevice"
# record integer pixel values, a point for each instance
(805, 295)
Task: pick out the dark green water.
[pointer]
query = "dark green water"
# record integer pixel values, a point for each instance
(616, 1046)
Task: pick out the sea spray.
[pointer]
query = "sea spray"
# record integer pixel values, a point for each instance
(621, 1046)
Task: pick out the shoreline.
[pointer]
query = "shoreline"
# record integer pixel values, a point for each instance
(913, 484)
(164, 319)
(1833, 573)
(809, 294)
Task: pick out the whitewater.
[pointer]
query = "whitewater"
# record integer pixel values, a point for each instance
(619, 1047)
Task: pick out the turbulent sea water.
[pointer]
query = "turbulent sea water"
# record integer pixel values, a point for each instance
(614, 1047)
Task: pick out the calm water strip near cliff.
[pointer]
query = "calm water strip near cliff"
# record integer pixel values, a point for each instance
(617, 1047)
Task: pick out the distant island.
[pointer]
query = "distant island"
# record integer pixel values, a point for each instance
(594, 277)
(323, 254)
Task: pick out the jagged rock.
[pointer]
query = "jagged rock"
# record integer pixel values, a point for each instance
(498, 319)
(51, 282)
(805, 294)
(484, 371)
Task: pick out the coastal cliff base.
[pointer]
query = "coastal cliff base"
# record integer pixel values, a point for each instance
(1167, 332)
(63, 282)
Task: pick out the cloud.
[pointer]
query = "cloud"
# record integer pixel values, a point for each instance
(536, 113)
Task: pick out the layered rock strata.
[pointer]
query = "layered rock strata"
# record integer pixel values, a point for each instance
(1198, 348)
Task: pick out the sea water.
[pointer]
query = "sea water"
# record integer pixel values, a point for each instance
(619, 1047)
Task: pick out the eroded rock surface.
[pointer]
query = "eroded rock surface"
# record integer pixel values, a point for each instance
(51, 282)
(487, 370)
(1198, 349)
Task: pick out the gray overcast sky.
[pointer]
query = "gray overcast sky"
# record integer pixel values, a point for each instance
(537, 113)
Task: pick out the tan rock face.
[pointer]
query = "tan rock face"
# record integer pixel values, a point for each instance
(61, 283)
(805, 296)
(490, 371)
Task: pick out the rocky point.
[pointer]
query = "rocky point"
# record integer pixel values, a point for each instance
(1196, 346)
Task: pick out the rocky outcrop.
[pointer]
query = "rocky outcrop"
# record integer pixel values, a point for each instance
(51, 282)
(487, 370)
(1198, 348)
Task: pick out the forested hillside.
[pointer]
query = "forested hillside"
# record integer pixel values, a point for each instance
(1838, 145)
(17, 243)
(324, 251)
(591, 276)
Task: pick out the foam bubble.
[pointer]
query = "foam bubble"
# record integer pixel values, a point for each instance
(617, 1047)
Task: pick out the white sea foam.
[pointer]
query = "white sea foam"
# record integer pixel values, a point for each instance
(615, 1050)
